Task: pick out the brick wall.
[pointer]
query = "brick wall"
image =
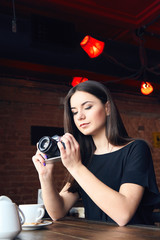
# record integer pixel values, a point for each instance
(23, 105)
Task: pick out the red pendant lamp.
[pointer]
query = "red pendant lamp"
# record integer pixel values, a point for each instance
(92, 46)
(146, 88)
(77, 80)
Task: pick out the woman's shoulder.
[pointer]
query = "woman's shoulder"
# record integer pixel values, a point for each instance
(139, 142)
(136, 146)
(135, 143)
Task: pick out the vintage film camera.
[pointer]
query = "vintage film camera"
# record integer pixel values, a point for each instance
(48, 145)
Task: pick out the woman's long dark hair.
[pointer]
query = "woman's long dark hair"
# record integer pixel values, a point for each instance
(115, 130)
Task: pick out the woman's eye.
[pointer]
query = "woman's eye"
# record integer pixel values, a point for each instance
(86, 108)
(74, 113)
(89, 107)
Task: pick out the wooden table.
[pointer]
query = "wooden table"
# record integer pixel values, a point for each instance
(70, 229)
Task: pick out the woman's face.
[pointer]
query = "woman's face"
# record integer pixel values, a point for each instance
(89, 113)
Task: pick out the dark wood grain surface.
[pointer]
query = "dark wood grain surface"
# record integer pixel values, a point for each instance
(68, 229)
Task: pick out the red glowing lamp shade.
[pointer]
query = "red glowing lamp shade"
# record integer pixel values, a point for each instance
(77, 80)
(146, 88)
(92, 46)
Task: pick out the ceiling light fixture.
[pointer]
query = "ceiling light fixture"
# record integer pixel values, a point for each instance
(77, 80)
(146, 88)
(92, 46)
(14, 25)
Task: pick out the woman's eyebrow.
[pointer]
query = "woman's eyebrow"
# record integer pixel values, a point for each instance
(83, 104)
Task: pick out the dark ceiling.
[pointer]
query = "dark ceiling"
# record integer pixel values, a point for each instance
(45, 45)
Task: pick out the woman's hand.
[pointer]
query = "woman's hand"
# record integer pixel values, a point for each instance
(42, 168)
(70, 155)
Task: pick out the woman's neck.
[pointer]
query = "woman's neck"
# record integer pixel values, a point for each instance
(102, 144)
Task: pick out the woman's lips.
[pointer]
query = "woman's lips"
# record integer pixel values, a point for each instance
(83, 125)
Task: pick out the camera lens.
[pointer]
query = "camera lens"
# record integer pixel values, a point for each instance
(48, 145)
(44, 144)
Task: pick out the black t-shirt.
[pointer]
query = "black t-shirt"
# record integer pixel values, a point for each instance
(130, 164)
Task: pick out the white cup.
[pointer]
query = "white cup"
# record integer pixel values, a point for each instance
(33, 212)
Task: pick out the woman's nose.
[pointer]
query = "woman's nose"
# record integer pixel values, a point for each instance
(81, 115)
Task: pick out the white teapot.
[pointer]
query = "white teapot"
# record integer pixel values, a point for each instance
(10, 223)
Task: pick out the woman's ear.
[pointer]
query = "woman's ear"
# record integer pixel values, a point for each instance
(107, 108)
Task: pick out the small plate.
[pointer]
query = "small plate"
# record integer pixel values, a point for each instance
(53, 160)
(36, 226)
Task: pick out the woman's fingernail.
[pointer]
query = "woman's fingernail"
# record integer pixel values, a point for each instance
(45, 156)
(44, 164)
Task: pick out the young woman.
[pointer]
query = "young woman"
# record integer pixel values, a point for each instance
(111, 172)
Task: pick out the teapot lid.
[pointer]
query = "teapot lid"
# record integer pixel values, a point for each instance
(5, 199)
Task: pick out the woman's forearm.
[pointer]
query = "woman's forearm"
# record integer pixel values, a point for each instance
(53, 202)
(120, 206)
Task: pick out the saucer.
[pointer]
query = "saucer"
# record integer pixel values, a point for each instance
(36, 225)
